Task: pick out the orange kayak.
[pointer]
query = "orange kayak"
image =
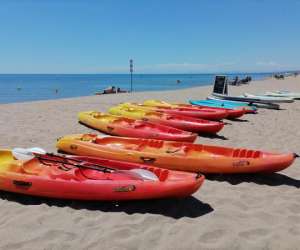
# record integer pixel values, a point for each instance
(176, 155)
(121, 126)
(92, 178)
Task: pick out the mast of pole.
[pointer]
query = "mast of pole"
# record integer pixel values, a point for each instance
(131, 71)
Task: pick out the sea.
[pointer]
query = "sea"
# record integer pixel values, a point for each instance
(32, 87)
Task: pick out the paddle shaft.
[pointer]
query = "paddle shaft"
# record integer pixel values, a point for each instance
(65, 160)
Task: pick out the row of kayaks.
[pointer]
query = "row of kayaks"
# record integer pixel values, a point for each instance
(116, 168)
(154, 158)
(161, 120)
(157, 134)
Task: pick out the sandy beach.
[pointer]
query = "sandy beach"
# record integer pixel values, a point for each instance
(228, 212)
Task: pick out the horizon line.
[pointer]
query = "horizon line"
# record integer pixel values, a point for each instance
(135, 73)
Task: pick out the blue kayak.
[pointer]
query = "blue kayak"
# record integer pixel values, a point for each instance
(224, 104)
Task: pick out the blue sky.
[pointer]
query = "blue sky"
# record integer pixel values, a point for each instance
(163, 36)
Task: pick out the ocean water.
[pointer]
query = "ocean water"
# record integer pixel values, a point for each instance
(31, 87)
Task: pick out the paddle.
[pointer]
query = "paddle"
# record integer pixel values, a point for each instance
(41, 154)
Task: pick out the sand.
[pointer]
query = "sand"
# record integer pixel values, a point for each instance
(228, 212)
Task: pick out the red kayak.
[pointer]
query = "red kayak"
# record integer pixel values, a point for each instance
(231, 113)
(121, 126)
(92, 178)
(186, 123)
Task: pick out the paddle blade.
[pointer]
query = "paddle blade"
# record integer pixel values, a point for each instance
(22, 154)
(26, 154)
(145, 174)
(37, 150)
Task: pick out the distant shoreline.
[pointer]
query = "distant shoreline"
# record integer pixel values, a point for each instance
(205, 88)
(27, 88)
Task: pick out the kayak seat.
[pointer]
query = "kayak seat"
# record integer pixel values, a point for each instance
(89, 138)
(96, 115)
(169, 117)
(162, 174)
(54, 171)
(139, 125)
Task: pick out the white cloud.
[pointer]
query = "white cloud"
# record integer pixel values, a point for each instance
(185, 67)
(268, 63)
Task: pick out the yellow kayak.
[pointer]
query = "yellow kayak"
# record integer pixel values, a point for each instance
(122, 126)
(159, 103)
(203, 113)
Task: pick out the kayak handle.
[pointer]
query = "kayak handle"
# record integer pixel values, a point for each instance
(22, 184)
(198, 175)
(147, 159)
(109, 129)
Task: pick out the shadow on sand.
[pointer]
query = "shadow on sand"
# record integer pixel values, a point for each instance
(87, 126)
(274, 179)
(174, 208)
(238, 120)
(213, 136)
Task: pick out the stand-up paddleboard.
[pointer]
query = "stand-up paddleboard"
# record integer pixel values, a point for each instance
(251, 100)
(214, 102)
(272, 99)
(293, 95)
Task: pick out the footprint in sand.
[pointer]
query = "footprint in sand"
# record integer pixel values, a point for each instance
(254, 233)
(212, 236)
(295, 208)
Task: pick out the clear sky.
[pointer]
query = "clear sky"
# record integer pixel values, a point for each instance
(162, 36)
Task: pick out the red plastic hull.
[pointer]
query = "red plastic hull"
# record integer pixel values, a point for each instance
(121, 126)
(207, 114)
(94, 185)
(150, 134)
(190, 124)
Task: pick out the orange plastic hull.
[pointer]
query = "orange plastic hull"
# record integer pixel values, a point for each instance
(176, 155)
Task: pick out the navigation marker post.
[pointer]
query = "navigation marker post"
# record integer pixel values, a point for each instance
(131, 70)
